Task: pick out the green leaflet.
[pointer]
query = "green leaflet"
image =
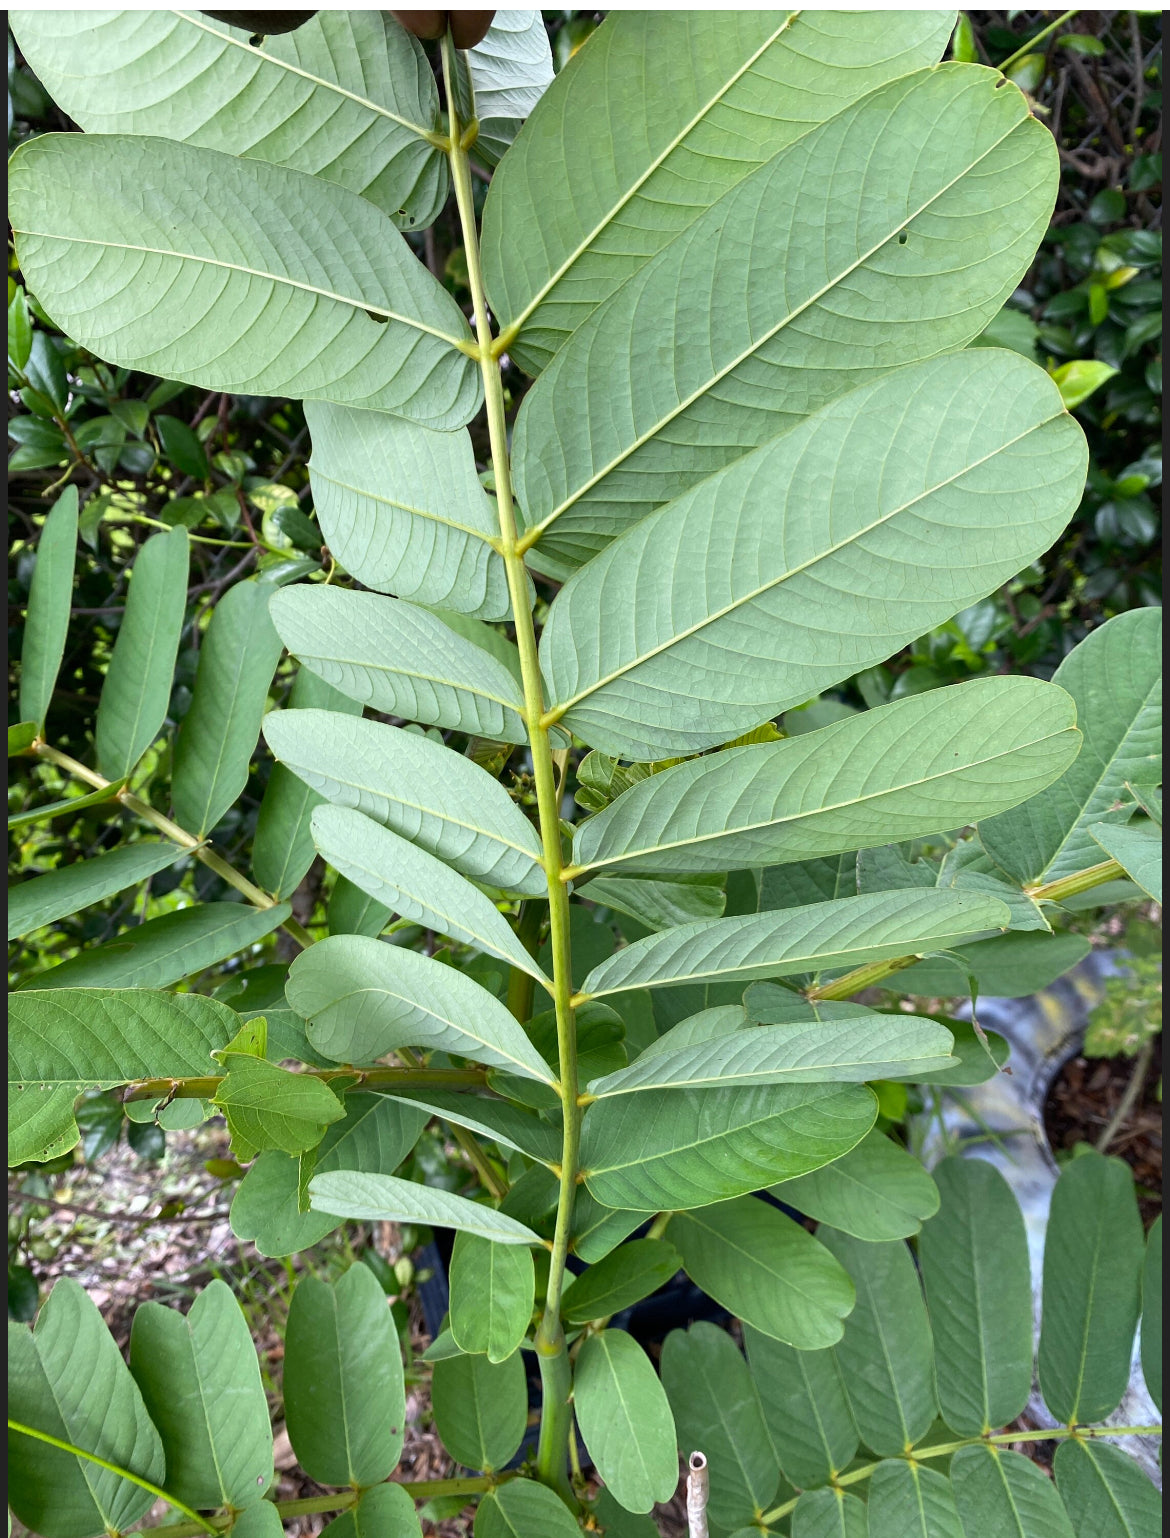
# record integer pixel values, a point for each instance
(402, 509)
(974, 1260)
(167, 949)
(805, 1407)
(416, 885)
(383, 1511)
(385, 1198)
(1093, 1254)
(420, 789)
(200, 1381)
(98, 217)
(217, 738)
(347, 96)
(44, 899)
(911, 1500)
(997, 1491)
(625, 1420)
(1107, 1495)
(669, 1150)
(841, 1051)
(1115, 677)
(67, 1040)
(67, 1377)
(70, 805)
(765, 1269)
(623, 1277)
(363, 999)
(659, 903)
(829, 1514)
(885, 1355)
(508, 72)
(282, 846)
(874, 519)
(1137, 848)
(400, 660)
(876, 1191)
(21, 737)
(268, 1107)
(844, 933)
(598, 1229)
(751, 349)
(376, 1135)
(921, 765)
(352, 912)
(344, 1397)
(1152, 1313)
(481, 1408)
(620, 158)
(493, 1287)
(716, 1408)
(259, 1521)
(1008, 966)
(137, 691)
(50, 596)
(522, 1508)
(506, 1123)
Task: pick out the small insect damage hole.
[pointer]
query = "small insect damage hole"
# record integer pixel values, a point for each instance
(381, 320)
(903, 238)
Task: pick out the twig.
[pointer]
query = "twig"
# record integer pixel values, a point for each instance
(698, 1488)
(138, 1220)
(1133, 1089)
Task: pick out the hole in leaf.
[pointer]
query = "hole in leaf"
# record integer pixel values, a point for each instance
(381, 320)
(902, 238)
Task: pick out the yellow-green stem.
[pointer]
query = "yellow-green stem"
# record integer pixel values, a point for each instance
(196, 846)
(556, 1414)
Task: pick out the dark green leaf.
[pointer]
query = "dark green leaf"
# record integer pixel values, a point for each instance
(1106, 1494)
(49, 600)
(876, 1191)
(523, 1509)
(805, 1407)
(1152, 1313)
(998, 1492)
(70, 888)
(481, 1408)
(625, 1275)
(267, 1107)
(910, 1500)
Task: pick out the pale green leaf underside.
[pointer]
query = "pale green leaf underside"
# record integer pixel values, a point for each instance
(402, 509)
(769, 1271)
(911, 1500)
(201, 1383)
(416, 885)
(481, 1410)
(624, 153)
(625, 1419)
(67, 1378)
(509, 70)
(400, 660)
(385, 1198)
(325, 300)
(50, 596)
(874, 520)
(167, 949)
(776, 301)
(421, 790)
(678, 1149)
(1137, 849)
(829, 1514)
(920, 765)
(217, 739)
(137, 691)
(842, 933)
(58, 893)
(1115, 677)
(877, 1191)
(837, 1051)
(347, 96)
(363, 998)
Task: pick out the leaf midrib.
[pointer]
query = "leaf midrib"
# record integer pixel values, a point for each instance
(827, 809)
(405, 507)
(533, 533)
(251, 272)
(557, 711)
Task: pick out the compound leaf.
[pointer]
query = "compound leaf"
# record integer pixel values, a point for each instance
(624, 1276)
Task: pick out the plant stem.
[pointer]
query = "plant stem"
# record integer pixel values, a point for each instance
(867, 976)
(202, 1525)
(1000, 1439)
(556, 1416)
(1133, 1089)
(197, 847)
(522, 985)
(1031, 43)
(1080, 881)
